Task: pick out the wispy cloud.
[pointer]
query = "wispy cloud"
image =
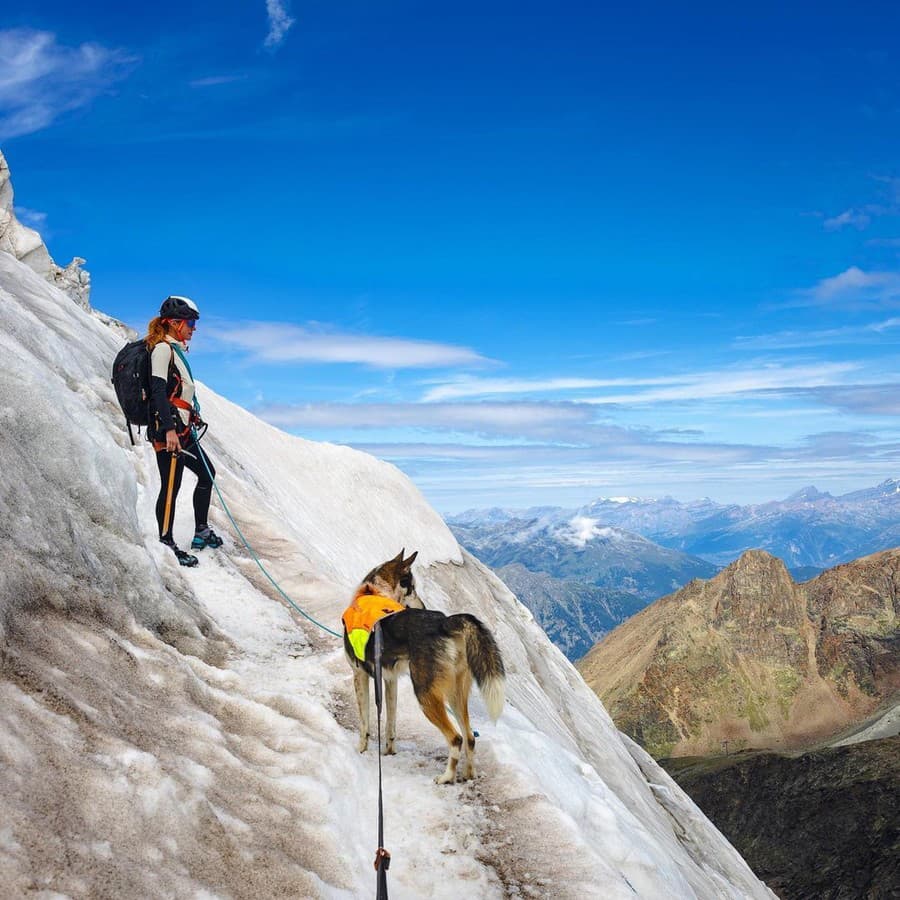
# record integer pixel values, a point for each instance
(279, 23)
(613, 446)
(704, 385)
(559, 422)
(863, 399)
(583, 424)
(854, 288)
(853, 218)
(861, 216)
(32, 218)
(41, 79)
(826, 337)
(724, 384)
(460, 475)
(284, 343)
(491, 387)
(215, 80)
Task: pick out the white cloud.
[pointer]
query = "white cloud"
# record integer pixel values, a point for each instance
(582, 529)
(849, 334)
(281, 343)
(722, 384)
(32, 218)
(864, 399)
(215, 80)
(855, 288)
(851, 217)
(532, 420)
(689, 386)
(40, 79)
(486, 387)
(279, 23)
(460, 476)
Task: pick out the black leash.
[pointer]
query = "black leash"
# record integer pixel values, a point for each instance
(382, 857)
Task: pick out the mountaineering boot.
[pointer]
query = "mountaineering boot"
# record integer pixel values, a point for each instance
(184, 559)
(206, 537)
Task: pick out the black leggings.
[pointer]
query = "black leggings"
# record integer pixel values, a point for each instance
(192, 458)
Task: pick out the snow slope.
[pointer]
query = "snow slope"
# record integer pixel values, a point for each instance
(168, 732)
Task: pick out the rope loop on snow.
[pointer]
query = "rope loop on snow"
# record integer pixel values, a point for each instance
(250, 549)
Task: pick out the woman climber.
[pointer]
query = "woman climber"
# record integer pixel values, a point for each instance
(174, 423)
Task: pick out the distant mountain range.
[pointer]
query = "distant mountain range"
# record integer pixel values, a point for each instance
(579, 580)
(583, 571)
(809, 530)
(574, 614)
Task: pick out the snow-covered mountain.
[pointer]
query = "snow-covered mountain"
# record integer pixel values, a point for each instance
(583, 548)
(170, 732)
(579, 577)
(810, 530)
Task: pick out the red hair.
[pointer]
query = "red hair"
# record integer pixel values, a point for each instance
(158, 330)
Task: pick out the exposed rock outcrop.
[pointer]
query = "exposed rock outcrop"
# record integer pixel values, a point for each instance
(820, 826)
(27, 245)
(752, 658)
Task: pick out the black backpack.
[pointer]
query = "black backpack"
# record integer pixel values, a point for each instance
(131, 379)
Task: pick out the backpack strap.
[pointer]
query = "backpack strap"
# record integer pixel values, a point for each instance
(187, 365)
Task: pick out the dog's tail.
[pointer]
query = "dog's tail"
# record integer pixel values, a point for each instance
(485, 662)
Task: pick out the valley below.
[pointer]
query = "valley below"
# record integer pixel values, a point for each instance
(821, 825)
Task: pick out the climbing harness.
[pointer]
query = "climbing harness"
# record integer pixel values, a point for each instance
(362, 614)
(382, 857)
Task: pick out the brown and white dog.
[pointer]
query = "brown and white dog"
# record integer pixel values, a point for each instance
(442, 653)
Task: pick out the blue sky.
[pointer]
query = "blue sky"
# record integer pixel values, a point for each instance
(530, 253)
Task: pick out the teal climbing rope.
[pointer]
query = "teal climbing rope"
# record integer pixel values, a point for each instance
(250, 549)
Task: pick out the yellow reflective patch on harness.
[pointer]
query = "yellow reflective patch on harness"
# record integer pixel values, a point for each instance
(360, 616)
(358, 638)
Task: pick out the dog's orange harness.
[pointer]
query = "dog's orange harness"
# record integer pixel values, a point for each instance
(360, 616)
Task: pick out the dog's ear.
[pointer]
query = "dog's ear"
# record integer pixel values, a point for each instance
(399, 557)
(407, 563)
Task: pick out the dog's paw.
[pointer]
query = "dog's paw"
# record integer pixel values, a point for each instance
(446, 778)
(390, 750)
(363, 744)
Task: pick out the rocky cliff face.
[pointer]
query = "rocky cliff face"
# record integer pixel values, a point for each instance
(820, 826)
(28, 246)
(752, 658)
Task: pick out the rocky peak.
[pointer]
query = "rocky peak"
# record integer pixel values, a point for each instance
(756, 590)
(752, 658)
(27, 245)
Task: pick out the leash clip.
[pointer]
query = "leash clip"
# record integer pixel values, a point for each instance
(382, 859)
